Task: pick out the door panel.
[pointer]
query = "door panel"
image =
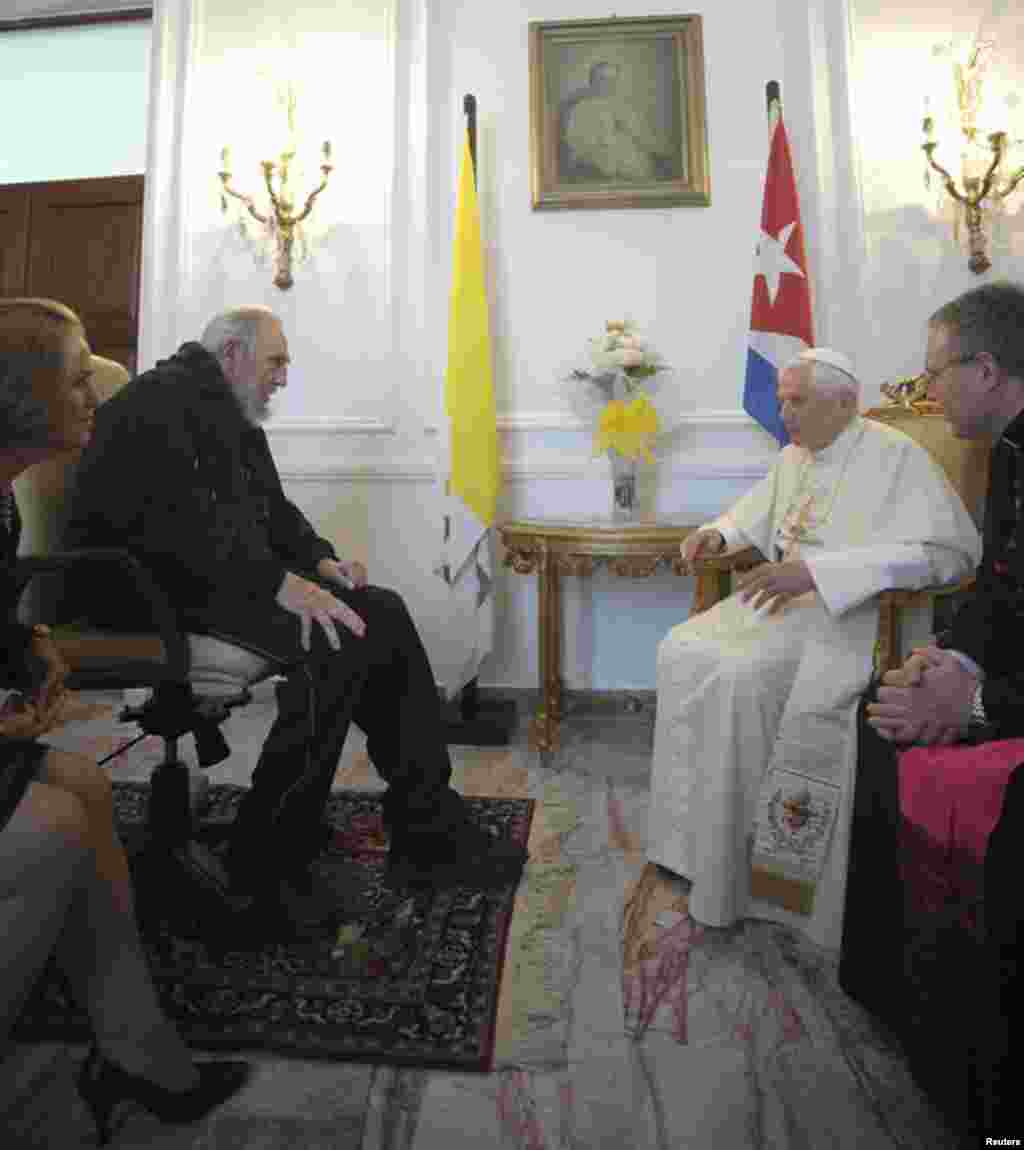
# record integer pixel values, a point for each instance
(85, 250)
(14, 219)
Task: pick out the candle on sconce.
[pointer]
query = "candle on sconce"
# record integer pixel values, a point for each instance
(327, 151)
(225, 154)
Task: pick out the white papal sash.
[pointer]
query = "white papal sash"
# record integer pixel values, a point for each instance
(810, 767)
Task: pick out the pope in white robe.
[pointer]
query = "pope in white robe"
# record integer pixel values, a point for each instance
(754, 748)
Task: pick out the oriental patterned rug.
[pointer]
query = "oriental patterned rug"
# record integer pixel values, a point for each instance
(405, 975)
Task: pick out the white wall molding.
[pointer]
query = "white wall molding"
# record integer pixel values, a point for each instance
(525, 421)
(538, 445)
(525, 471)
(516, 471)
(374, 471)
(345, 425)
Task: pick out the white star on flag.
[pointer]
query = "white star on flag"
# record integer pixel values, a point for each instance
(773, 261)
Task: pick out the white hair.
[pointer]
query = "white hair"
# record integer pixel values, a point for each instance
(239, 325)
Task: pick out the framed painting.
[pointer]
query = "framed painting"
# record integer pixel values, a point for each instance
(617, 113)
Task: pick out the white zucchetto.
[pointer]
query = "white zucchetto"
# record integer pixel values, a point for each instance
(834, 359)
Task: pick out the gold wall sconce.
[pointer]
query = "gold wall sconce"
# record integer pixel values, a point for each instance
(281, 221)
(979, 127)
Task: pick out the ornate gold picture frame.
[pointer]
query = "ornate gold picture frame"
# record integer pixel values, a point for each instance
(617, 113)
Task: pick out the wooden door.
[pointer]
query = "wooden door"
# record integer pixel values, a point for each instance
(14, 212)
(85, 249)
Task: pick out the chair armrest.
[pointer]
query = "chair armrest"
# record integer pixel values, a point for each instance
(901, 597)
(713, 574)
(164, 619)
(740, 559)
(890, 603)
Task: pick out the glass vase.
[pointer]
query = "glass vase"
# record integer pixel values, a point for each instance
(624, 493)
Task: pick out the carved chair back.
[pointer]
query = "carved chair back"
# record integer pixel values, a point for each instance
(965, 461)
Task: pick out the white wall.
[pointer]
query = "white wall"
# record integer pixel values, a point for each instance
(356, 436)
(75, 102)
(684, 274)
(913, 263)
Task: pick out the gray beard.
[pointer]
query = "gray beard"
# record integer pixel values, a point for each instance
(253, 410)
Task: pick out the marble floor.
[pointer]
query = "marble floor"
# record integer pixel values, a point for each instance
(621, 1023)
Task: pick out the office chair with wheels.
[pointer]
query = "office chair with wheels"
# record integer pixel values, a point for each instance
(195, 680)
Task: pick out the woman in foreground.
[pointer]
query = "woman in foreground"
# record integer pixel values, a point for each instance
(64, 878)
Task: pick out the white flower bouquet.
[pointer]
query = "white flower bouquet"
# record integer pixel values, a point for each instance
(615, 397)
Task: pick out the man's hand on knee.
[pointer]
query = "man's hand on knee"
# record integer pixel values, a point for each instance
(701, 543)
(345, 572)
(775, 583)
(311, 602)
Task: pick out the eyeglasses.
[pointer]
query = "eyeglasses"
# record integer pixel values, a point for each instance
(931, 374)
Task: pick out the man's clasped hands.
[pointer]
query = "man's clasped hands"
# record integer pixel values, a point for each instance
(926, 701)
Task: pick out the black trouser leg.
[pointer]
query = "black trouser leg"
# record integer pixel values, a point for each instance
(1001, 1108)
(400, 712)
(384, 682)
(871, 959)
(276, 828)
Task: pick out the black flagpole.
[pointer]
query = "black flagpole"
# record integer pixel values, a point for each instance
(469, 107)
(475, 723)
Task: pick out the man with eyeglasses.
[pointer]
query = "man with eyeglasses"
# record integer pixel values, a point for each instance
(939, 738)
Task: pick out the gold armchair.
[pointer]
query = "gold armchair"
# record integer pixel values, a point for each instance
(965, 463)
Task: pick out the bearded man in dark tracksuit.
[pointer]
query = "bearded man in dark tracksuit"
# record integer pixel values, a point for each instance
(179, 473)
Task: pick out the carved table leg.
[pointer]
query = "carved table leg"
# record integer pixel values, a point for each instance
(554, 673)
(544, 728)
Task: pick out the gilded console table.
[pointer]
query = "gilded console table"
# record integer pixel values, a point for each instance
(557, 547)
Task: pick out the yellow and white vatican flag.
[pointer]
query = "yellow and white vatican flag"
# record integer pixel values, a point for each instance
(473, 477)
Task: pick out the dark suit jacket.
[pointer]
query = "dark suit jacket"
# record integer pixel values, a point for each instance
(15, 637)
(990, 626)
(176, 475)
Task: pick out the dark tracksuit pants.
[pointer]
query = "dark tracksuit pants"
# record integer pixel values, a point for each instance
(383, 682)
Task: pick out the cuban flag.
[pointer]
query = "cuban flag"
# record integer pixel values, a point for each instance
(780, 310)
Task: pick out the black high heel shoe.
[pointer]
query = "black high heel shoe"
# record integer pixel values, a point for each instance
(103, 1084)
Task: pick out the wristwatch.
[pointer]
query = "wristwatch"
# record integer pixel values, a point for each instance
(978, 716)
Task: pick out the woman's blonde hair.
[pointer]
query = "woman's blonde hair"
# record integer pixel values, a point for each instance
(33, 338)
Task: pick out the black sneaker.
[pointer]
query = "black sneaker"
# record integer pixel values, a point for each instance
(464, 855)
(304, 900)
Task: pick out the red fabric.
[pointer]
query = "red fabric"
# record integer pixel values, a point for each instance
(950, 801)
(790, 311)
(780, 310)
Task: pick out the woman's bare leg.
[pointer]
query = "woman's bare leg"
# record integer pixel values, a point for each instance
(43, 849)
(90, 784)
(99, 947)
